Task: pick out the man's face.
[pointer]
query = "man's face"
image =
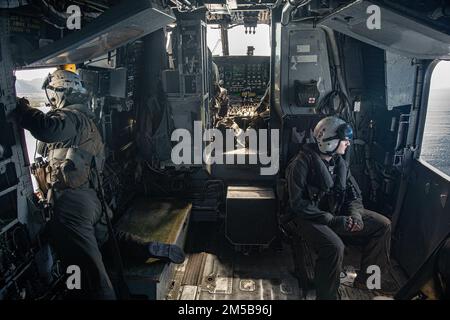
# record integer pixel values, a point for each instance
(343, 145)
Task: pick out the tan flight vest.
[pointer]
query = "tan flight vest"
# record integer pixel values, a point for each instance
(71, 167)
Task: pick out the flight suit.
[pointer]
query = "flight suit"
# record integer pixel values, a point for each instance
(318, 193)
(73, 147)
(444, 267)
(78, 227)
(76, 207)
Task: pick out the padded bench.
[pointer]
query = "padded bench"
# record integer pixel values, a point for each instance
(163, 220)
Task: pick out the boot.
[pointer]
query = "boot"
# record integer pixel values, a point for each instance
(166, 252)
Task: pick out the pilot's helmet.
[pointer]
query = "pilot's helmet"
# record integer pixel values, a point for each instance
(329, 132)
(64, 88)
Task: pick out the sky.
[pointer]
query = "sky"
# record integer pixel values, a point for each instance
(31, 74)
(440, 79)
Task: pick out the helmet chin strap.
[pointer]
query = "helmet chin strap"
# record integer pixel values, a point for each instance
(61, 102)
(46, 94)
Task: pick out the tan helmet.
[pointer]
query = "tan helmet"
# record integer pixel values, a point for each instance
(63, 88)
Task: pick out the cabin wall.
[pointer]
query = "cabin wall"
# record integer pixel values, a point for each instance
(425, 218)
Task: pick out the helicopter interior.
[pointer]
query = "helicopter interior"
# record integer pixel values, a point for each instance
(150, 72)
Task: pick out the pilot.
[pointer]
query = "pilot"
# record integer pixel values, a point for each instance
(75, 153)
(326, 203)
(262, 111)
(265, 101)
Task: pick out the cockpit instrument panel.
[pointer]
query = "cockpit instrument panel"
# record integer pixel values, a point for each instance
(244, 73)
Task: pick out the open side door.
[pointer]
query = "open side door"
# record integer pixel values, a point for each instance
(22, 253)
(422, 221)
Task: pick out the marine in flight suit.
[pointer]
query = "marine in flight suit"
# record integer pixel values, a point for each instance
(72, 144)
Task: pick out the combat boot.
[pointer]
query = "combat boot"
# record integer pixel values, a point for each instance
(166, 252)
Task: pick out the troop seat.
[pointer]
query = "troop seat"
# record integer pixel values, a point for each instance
(163, 220)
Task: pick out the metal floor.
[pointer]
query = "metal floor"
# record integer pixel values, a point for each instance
(265, 276)
(204, 276)
(217, 272)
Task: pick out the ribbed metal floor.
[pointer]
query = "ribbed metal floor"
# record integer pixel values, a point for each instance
(263, 276)
(218, 272)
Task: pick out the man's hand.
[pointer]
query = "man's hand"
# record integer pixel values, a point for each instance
(22, 105)
(346, 224)
(350, 224)
(341, 224)
(356, 224)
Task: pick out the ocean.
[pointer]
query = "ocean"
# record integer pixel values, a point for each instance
(436, 138)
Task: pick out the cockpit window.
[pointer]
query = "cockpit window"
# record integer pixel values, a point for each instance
(436, 136)
(240, 39)
(214, 39)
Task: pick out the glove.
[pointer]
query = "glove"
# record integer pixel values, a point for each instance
(22, 105)
(358, 223)
(341, 224)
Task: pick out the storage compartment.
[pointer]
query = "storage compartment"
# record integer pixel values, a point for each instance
(251, 216)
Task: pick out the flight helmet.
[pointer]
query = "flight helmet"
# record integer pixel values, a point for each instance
(63, 88)
(329, 132)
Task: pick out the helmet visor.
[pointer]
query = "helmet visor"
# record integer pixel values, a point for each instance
(345, 132)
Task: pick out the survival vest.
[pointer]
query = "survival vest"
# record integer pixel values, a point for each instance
(326, 190)
(70, 166)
